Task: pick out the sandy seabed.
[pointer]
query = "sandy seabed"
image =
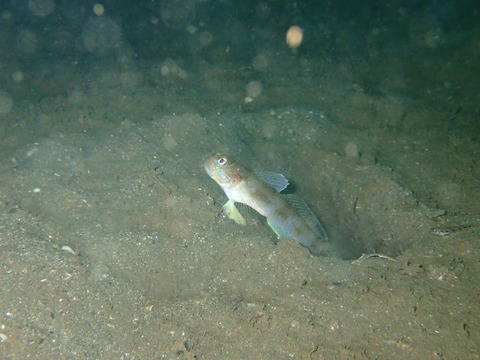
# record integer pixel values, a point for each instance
(113, 245)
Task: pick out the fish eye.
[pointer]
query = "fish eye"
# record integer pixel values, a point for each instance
(222, 161)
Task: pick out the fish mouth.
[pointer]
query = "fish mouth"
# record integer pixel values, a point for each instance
(209, 164)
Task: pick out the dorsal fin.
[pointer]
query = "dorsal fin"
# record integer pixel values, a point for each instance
(275, 180)
(307, 214)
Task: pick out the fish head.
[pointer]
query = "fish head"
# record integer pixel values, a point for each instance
(224, 171)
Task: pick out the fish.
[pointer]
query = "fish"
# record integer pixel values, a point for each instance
(261, 192)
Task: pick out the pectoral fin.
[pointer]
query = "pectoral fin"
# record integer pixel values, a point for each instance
(232, 212)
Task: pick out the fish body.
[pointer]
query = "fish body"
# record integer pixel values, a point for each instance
(262, 194)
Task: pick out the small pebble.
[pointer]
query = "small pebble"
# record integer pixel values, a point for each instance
(351, 151)
(68, 249)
